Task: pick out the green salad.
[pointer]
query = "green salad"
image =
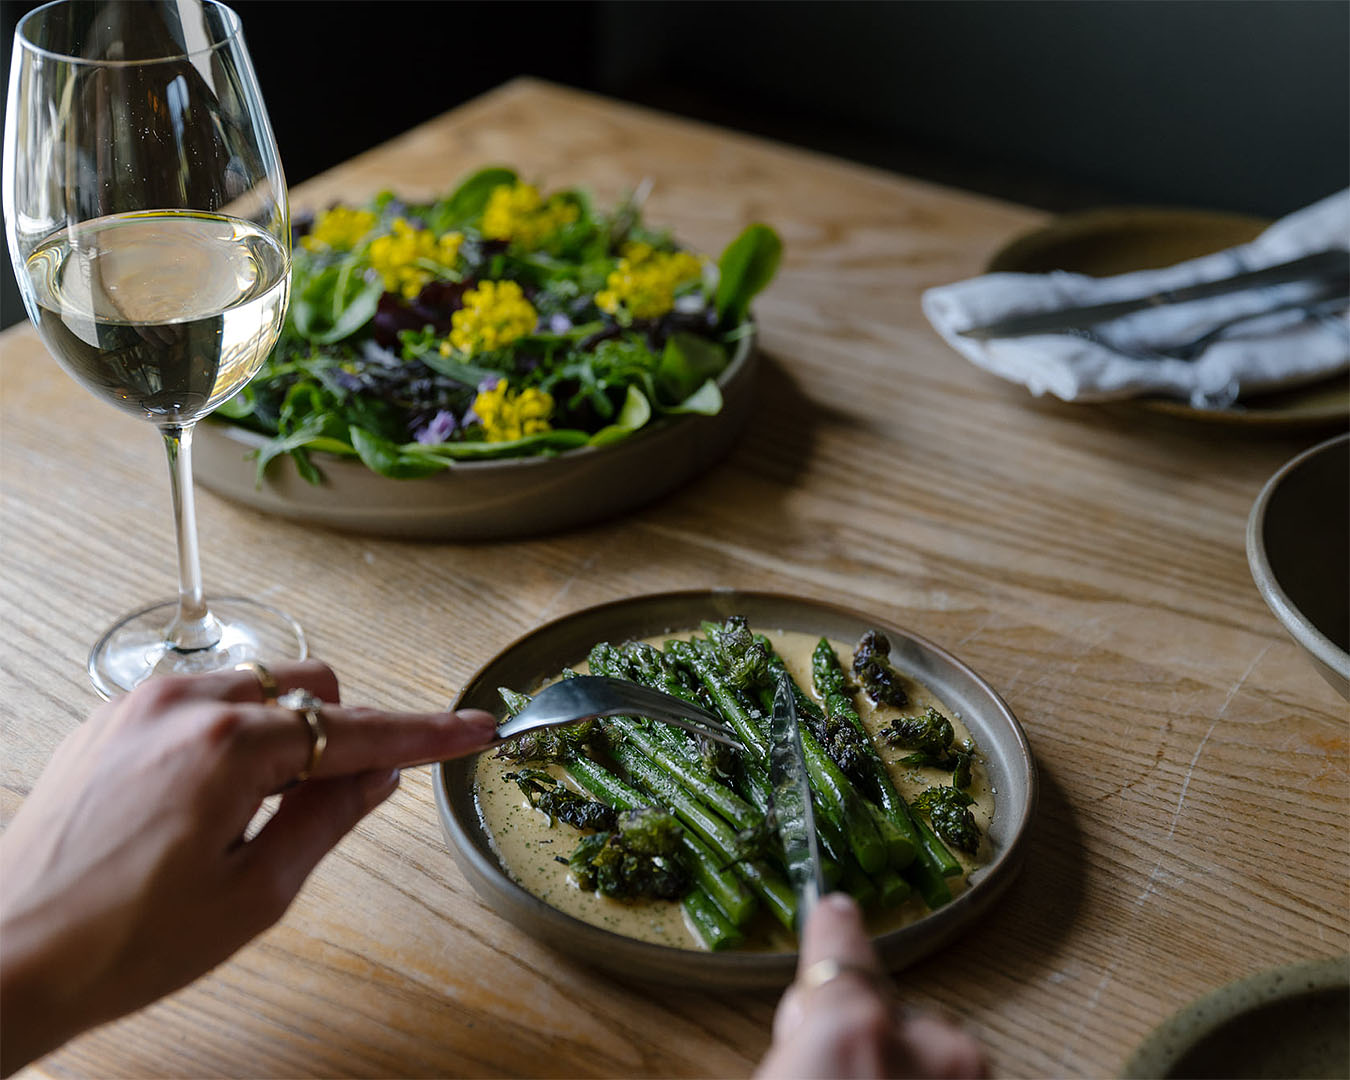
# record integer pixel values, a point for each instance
(494, 322)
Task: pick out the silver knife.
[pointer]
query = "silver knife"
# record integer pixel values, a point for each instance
(793, 816)
(1332, 263)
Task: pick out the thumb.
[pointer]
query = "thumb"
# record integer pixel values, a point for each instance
(311, 819)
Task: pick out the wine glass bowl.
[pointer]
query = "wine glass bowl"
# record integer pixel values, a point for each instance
(148, 223)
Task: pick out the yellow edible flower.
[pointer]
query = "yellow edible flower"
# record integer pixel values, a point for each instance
(338, 229)
(494, 315)
(407, 258)
(506, 414)
(644, 282)
(517, 212)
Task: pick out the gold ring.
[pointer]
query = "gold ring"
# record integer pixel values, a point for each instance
(266, 682)
(306, 706)
(825, 971)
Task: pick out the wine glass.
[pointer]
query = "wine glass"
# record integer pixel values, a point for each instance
(147, 220)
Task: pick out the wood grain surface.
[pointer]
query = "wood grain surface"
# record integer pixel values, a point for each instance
(1088, 562)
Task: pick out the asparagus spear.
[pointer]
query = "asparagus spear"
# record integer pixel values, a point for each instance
(934, 861)
(722, 886)
(717, 669)
(769, 886)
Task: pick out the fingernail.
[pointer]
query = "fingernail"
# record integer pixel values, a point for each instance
(482, 724)
(840, 903)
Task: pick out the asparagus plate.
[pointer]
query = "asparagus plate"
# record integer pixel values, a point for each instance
(1005, 765)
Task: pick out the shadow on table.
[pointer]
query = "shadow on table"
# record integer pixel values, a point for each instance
(773, 452)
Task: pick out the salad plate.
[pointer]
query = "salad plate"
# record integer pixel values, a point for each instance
(497, 362)
(484, 500)
(540, 655)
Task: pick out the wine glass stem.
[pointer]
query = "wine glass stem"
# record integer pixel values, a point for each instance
(194, 627)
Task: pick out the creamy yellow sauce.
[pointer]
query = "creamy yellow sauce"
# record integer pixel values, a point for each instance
(528, 846)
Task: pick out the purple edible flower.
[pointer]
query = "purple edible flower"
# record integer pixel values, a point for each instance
(439, 428)
(559, 323)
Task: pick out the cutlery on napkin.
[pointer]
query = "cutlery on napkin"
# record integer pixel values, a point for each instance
(1284, 334)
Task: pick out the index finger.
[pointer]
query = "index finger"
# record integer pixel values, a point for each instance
(359, 739)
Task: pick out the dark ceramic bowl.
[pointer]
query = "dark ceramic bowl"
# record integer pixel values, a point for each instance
(1298, 545)
(1291, 1021)
(544, 652)
(483, 500)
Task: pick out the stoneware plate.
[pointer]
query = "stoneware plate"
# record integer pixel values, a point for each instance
(483, 500)
(542, 654)
(1298, 546)
(1291, 1021)
(1118, 240)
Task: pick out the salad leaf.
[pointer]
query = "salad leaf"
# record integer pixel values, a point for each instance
(706, 401)
(468, 200)
(335, 303)
(389, 459)
(556, 440)
(745, 268)
(686, 362)
(636, 411)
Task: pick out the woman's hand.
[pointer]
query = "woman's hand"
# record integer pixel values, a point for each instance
(125, 874)
(840, 1018)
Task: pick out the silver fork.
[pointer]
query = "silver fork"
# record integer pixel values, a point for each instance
(588, 696)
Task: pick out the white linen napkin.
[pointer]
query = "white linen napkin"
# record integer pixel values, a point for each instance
(1282, 348)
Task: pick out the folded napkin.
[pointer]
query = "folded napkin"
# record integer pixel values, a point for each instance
(1282, 348)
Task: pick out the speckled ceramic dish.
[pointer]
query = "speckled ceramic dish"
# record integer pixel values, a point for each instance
(483, 500)
(544, 652)
(1117, 240)
(1286, 1022)
(1298, 546)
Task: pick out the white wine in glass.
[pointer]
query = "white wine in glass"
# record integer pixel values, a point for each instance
(146, 215)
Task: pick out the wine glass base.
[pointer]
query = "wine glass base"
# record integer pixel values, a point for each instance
(134, 648)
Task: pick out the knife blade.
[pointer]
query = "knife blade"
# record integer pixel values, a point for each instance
(793, 815)
(1332, 263)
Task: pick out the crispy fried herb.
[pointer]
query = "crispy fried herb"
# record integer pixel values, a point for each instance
(933, 741)
(948, 810)
(872, 666)
(929, 736)
(744, 660)
(636, 859)
(548, 744)
(547, 795)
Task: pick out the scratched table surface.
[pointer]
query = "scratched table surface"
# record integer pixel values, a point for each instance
(1088, 562)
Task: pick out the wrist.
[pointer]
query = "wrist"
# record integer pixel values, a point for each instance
(33, 1020)
(36, 1011)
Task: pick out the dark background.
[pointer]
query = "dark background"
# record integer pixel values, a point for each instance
(1063, 104)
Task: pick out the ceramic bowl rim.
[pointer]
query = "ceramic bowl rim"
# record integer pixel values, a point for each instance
(1169, 1042)
(1279, 602)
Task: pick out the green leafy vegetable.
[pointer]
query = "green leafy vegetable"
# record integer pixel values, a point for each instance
(746, 268)
(497, 321)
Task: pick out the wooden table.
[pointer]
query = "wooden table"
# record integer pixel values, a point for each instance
(1088, 562)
